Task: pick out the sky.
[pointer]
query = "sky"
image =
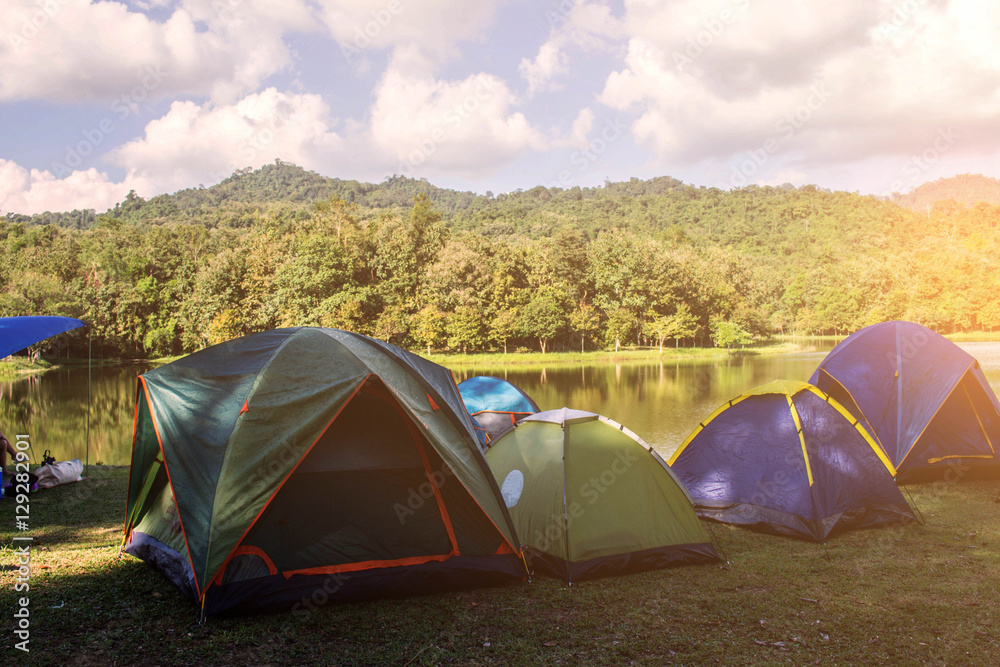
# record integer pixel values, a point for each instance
(874, 96)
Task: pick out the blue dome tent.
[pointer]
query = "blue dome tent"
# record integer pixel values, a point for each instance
(495, 404)
(787, 459)
(923, 399)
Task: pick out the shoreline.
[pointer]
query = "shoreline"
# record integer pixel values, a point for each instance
(14, 368)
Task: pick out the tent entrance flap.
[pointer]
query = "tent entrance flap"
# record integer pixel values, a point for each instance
(378, 499)
(291, 455)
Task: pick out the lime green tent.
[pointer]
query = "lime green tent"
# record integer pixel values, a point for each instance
(303, 465)
(589, 498)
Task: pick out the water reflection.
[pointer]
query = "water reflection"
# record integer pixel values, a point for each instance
(662, 402)
(52, 409)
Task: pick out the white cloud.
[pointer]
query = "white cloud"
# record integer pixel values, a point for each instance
(550, 62)
(79, 50)
(427, 126)
(35, 191)
(433, 26)
(585, 25)
(418, 125)
(579, 133)
(711, 80)
(195, 144)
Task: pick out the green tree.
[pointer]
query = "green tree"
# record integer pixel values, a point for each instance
(620, 326)
(428, 327)
(585, 321)
(504, 326)
(683, 323)
(543, 318)
(727, 334)
(465, 329)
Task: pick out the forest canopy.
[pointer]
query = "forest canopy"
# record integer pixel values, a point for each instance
(638, 262)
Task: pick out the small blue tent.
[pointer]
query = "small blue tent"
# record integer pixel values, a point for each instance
(17, 333)
(924, 400)
(495, 404)
(788, 459)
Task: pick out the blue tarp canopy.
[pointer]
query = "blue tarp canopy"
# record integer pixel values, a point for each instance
(924, 400)
(17, 333)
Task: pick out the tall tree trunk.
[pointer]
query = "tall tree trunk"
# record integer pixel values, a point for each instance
(541, 343)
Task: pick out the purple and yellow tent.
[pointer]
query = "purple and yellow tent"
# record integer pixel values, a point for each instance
(923, 399)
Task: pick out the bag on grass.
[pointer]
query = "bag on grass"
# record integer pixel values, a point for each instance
(60, 472)
(10, 484)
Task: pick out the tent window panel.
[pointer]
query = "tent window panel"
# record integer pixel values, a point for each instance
(244, 567)
(495, 422)
(159, 515)
(145, 450)
(987, 412)
(474, 532)
(370, 434)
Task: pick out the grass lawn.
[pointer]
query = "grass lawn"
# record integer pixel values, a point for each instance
(13, 368)
(900, 595)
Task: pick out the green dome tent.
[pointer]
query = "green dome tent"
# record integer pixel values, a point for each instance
(589, 498)
(304, 464)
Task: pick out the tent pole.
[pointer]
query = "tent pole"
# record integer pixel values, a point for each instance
(90, 347)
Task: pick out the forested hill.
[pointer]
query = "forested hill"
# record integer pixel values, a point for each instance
(636, 262)
(967, 189)
(234, 201)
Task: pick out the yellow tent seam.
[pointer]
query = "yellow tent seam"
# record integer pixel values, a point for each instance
(857, 425)
(698, 429)
(802, 439)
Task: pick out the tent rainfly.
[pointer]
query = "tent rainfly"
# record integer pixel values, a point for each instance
(923, 399)
(788, 459)
(589, 498)
(495, 404)
(306, 463)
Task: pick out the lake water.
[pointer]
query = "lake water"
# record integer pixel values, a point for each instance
(662, 402)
